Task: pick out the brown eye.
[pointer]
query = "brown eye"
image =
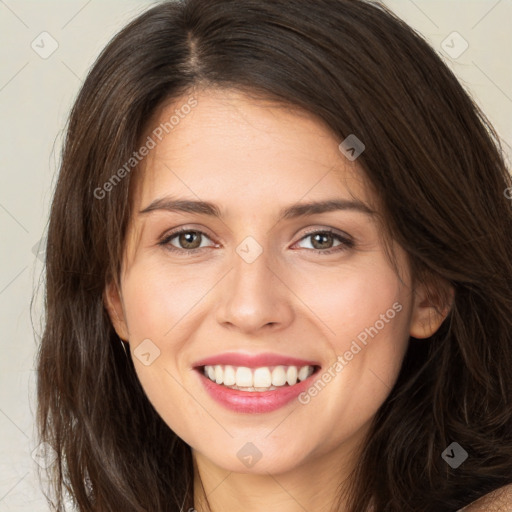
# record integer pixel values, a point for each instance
(322, 240)
(187, 240)
(325, 241)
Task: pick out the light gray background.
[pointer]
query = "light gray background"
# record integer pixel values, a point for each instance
(35, 97)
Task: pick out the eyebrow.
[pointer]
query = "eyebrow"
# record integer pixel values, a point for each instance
(291, 212)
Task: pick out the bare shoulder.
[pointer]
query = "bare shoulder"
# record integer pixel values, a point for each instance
(499, 500)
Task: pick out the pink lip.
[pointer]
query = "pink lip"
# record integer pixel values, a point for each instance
(253, 360)
(257, 401)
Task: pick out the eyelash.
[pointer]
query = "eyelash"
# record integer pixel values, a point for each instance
(346, 242)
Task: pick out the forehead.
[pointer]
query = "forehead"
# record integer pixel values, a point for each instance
(244, 153)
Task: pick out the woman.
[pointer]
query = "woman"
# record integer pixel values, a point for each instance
(278, 271)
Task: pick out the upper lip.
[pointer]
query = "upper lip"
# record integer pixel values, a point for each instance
(254, 360)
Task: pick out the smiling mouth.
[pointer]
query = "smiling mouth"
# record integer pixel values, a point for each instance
(265, 378)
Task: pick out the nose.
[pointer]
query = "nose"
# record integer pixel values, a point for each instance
(254, 295)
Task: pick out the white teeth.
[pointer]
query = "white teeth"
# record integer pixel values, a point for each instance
(304, 373)
(243, 377)
(291, 375)
(262, 378)
(279, 376)
(218, 374)
(257, 379)
(229, 376)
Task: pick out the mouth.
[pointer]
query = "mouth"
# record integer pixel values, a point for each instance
(260, 379)
(260, 389)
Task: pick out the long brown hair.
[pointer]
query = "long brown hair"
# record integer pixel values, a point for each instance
(439, 171)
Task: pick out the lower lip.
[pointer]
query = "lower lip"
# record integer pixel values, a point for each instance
(254, 401)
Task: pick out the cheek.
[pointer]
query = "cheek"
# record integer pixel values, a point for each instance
(156, 299)
(158, 304)
(349, 300)
(363, 315)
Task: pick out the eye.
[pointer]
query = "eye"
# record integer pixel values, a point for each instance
(323, 241)
(188, 240)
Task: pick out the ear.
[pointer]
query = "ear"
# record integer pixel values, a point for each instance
(432, 304)
(114, 304)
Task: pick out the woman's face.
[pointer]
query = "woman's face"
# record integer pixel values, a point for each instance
(256, 293)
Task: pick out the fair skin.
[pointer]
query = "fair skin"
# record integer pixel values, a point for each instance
(496, 501)
(252, 159)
